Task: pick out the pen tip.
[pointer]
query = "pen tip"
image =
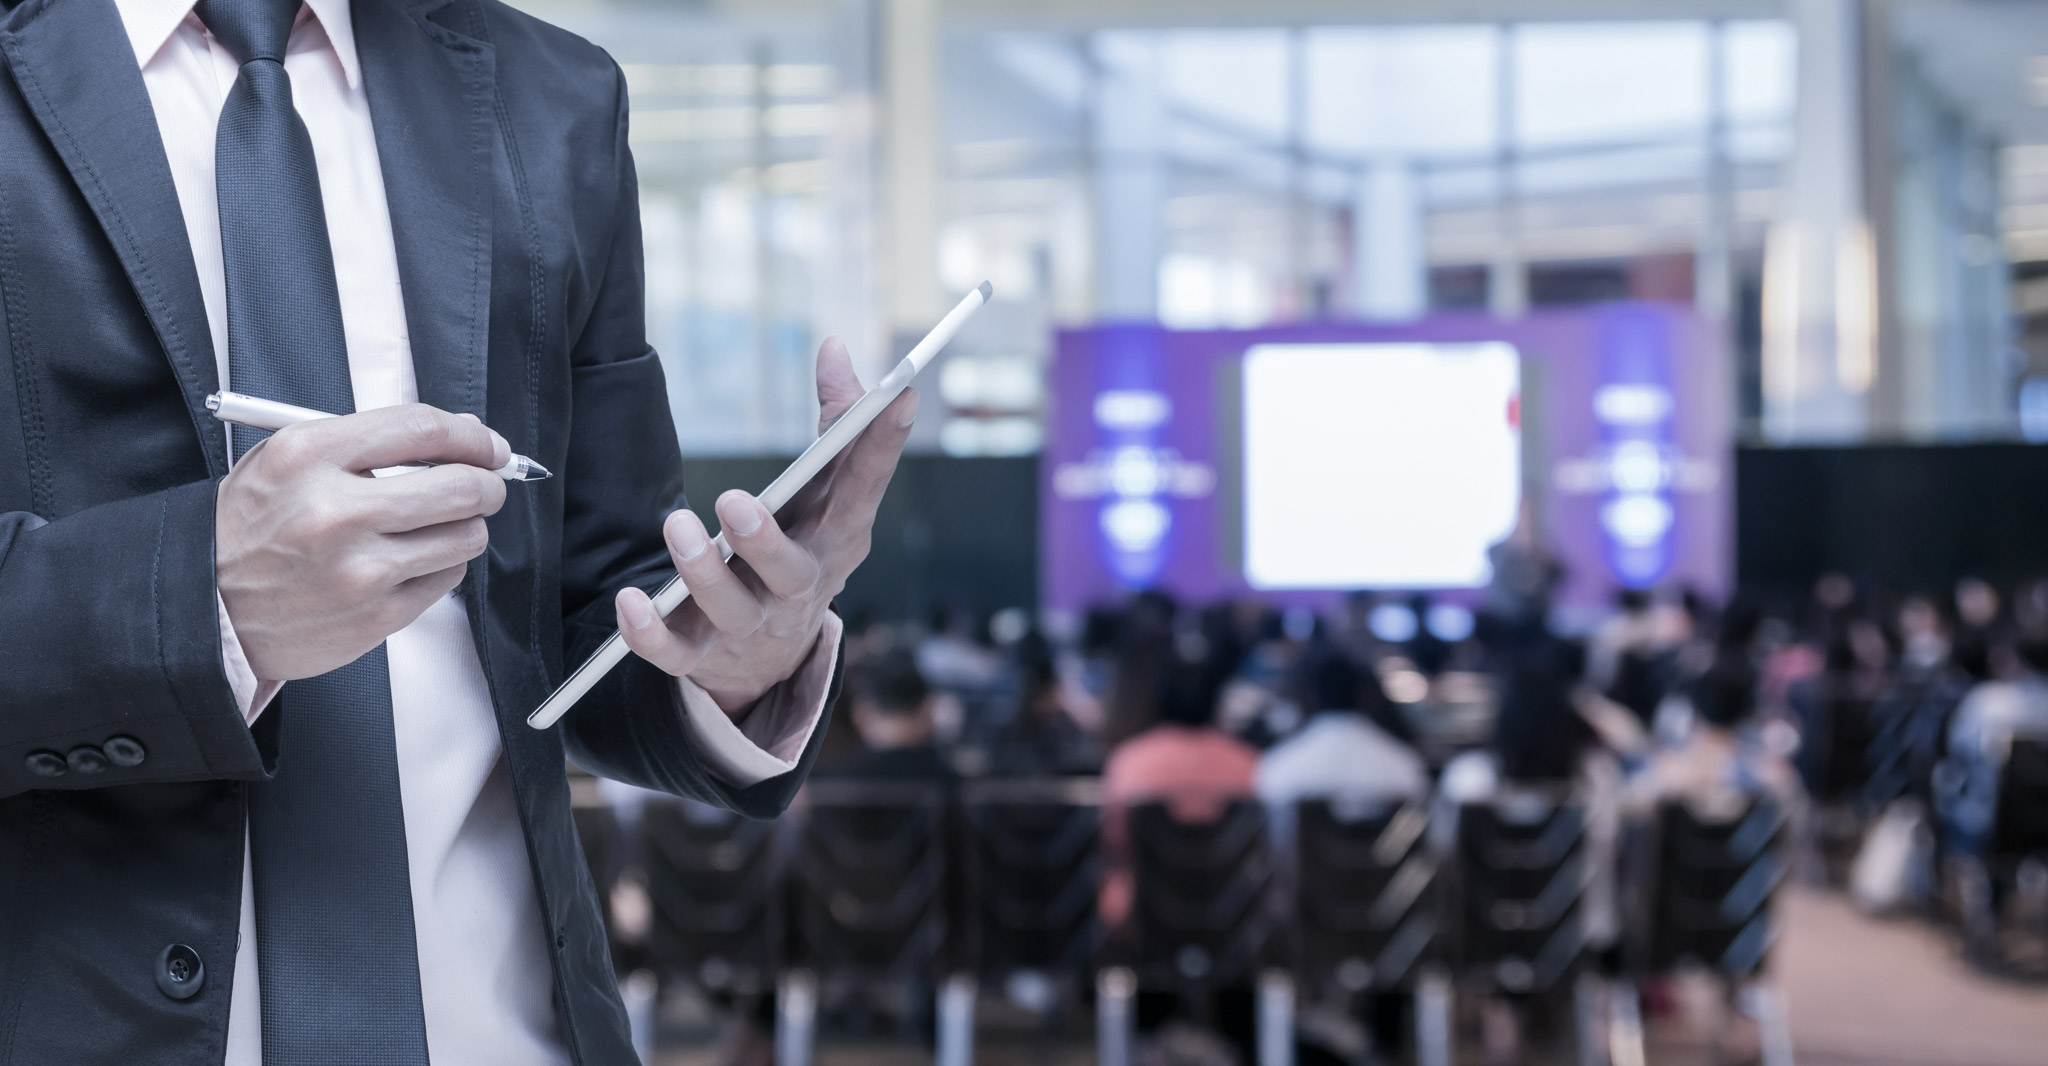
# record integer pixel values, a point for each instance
(537, 472)
(985, 290)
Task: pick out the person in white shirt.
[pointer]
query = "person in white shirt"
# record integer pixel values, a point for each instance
(1989, 719)
(266, 791)
(1341, 752)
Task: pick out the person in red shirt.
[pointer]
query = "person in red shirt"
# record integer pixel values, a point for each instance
(1184, 760)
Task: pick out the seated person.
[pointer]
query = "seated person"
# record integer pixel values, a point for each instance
(1540, 738)
(1720, 766)
(1541, 743)
(1344, 755)
(1042, 739)
(1720, 760)
(890, 709)
(1342, 752)
(1988, 720)
(1184, 760)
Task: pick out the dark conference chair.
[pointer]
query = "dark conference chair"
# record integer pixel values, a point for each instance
(2019, 835)
(713, 884)
(872, 894)
(1839, 751)
(1031, 872)
(1202, 918)
(1524, 868)
(1368, 910)
(1030, 867)
(2020, 827)
(1705, 899)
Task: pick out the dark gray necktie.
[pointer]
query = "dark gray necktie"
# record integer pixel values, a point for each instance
(334, 926)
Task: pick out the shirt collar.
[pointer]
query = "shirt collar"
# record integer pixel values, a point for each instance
(150, 23)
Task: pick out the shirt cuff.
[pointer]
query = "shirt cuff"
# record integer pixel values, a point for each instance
(768, 738)
(251, 694)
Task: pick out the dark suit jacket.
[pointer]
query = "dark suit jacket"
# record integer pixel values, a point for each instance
(514, 206)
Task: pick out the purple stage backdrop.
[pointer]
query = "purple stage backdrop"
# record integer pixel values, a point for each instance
(1626, 450)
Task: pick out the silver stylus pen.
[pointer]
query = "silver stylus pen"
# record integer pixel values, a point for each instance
(238, 410)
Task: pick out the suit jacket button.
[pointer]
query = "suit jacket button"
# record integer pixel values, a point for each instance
(124, 751)
(179, 973)
(86, 759)
(47, 764)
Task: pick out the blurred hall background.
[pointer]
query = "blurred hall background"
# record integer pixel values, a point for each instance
(1473, 531)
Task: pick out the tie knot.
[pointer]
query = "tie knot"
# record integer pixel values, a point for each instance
(250, 29)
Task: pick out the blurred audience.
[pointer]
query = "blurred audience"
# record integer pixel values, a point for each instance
(1184, 761)
(1988, 720)
(890, 706)
(1345, 750)
(1633, 658)
(1833, 709)
(1913, 711)
(1979, 628)
(1722, 759)
(1041, 738)
(1847, 705)
(954, 652)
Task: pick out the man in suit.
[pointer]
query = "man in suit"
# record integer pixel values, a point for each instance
(266, 790)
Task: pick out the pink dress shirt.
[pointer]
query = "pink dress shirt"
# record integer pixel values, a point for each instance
(484, 970)
(1197, 771)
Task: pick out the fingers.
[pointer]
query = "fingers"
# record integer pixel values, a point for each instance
(641, 628)
(433, 496)
(427, 588)
(727, 602)
(389, 436)
(784, 566)
(867, 466)
(838, 385)
(418, 552)
(414, 596)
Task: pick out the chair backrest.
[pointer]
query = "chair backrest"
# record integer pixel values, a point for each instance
(1202, 902)
(1523, 871)
(871, 886)
(1367, 903)
(1891, 757)
(1835, 751)
(713, 881)
(2020, 828)
(1708, 898)
(1029, 880)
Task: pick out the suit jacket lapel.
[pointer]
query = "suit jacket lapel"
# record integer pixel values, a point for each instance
(431, 92)
(76, 70)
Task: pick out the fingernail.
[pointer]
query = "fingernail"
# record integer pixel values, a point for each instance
(639, 613)
(690, 540)
(909, 414)
(745, 516)
(501, 450)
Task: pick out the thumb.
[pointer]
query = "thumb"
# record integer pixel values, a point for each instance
(838, 385)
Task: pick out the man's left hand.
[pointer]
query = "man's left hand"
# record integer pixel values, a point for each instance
(749, 624)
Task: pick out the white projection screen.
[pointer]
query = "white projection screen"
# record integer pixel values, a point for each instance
(1378, 465)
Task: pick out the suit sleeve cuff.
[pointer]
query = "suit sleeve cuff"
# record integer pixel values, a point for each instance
(767, 739)
(251, 694)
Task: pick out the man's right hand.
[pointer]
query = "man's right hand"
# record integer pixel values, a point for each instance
(317, 561)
